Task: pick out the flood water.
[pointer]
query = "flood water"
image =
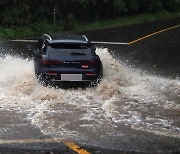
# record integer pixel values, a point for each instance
(125, 97)
(129, 109)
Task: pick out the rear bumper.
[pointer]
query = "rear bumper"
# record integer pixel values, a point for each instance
(55, 74)
(84, 77)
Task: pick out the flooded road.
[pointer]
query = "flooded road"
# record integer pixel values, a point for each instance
(124, 98)
(130, 110)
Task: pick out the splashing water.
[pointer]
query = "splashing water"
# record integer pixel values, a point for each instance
(124, 97)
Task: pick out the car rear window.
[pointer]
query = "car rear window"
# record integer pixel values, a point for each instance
(73, 49)
(70, 45)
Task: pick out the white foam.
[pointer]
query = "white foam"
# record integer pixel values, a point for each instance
(124, 96)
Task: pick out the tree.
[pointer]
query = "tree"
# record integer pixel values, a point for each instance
(132, 6)
(172, 5)
(27, 12)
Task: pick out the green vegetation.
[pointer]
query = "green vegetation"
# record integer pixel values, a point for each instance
(125, 21)
(27, 18)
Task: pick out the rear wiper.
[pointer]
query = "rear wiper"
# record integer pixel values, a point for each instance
(77, 53)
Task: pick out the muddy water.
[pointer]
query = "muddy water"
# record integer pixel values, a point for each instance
(125, 97)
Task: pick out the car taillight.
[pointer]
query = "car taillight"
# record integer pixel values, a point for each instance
(85, 66)
(89, 63)
(50, 62)
(51, 73)
(91, 74)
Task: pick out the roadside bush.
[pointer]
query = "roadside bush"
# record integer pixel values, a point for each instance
(113, 8)
(132, 6)
(24, 12)
(70, 23)
(29, 32)
(7, 33)
(24, 32)
(151, 6)
(33, 18)
(44, 27)
(41, 28)
(172, 5)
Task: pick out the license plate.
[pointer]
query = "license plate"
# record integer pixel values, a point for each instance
(71, 77)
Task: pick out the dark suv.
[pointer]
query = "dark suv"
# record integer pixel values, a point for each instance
(67, 58)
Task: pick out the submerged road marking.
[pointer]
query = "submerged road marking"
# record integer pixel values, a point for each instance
(76, 148)
(149, 35)
(70, 145)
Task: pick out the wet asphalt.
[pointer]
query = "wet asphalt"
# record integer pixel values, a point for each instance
(157, 55)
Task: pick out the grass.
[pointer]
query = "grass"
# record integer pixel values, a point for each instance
(125, 21)
(42, 27)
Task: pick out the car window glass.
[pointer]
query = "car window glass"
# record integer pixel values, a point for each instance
(70, 45)
(68, 52)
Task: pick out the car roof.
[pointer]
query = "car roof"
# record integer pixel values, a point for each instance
(65, 37)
